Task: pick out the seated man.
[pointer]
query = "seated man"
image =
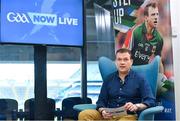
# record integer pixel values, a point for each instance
(124, 88)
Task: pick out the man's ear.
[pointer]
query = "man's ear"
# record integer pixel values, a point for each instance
(131, 62)
(145, 18)
(115, 63)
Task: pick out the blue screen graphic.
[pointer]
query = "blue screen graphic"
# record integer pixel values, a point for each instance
(50, 22)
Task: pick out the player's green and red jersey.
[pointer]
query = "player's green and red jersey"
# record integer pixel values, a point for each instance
(142, 46)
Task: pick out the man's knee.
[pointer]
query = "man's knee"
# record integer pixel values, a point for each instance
(89, 115)
(128, 118)
(82, 114)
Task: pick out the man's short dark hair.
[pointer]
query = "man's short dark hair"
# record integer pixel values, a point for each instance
(124, 50)
(151, 4)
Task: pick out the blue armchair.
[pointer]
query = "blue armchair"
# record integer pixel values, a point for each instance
(149, 71)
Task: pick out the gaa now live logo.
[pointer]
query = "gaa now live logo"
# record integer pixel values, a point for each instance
(41, 19)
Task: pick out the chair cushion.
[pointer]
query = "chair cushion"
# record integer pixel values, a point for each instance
(81, 107)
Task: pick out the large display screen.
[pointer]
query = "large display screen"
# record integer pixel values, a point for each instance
(49, 22)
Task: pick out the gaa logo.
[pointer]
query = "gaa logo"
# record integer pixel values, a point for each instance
(41, 19)
(17, 17)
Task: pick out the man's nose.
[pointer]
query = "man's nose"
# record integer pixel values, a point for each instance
(156, 18)
(122, 62)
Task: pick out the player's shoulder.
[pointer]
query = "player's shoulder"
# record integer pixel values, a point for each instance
(159, 36)
(138, 28)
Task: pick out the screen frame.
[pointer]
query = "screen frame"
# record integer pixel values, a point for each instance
(47, 44)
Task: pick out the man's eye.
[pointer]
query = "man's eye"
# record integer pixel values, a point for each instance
(120, 59)
(125, 59)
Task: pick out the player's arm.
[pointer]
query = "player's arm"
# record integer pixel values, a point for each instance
(161, 67)
(128, 39)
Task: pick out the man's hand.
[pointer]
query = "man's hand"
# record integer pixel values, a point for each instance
(106, 115)
(134, 107)
(131, 107)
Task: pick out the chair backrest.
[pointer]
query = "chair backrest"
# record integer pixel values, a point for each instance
(67, 107)
(148, 71)
(106, 67)
(30, 109)
(7, 107)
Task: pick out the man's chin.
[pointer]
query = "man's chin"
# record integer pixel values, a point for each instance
(124, 71)
(155, 25)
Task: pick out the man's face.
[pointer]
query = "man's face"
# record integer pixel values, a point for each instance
(152, 18)
(123, 62)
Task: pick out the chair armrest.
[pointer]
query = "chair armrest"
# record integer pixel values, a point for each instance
(148, 114)
(81, 107)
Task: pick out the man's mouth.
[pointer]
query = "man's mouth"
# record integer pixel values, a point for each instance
(122, 66)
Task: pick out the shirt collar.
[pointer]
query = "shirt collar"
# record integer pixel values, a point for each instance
(129, 75)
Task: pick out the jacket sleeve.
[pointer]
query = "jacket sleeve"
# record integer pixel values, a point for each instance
(103, 96)
(146, 93)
